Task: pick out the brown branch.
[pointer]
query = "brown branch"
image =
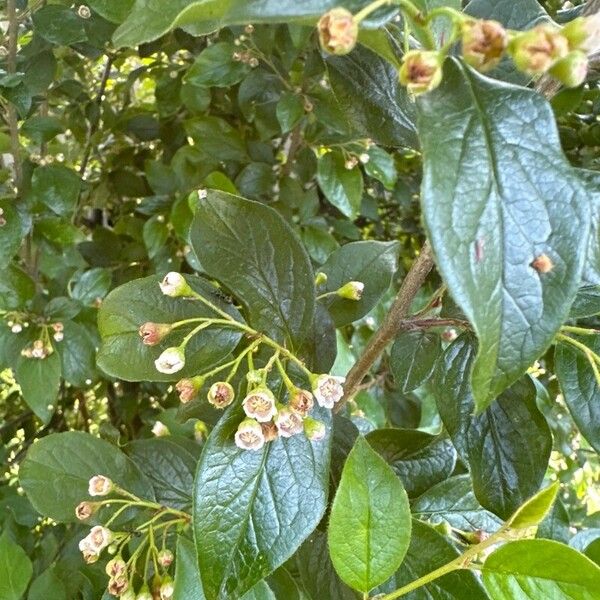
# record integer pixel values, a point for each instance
(11, 66)
(392, 324)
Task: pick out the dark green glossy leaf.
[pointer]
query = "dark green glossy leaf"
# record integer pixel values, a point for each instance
(91, 286)
(16, 287)
(367, 88)
(420, 459)
(187, 576)
(57, 187)
(214, 137)
(381, 166)
(253, 509)
(15, 569)
(580, 388)
(342, 187)
(369, 525)
(13, 230)
(252, 251)
(413, 358)
(215, 67)
(112, 10)
(493, 443)
(534, 569)
(290, 109)
(591, 274)
(78, 354)
(372, 263)
(488, 230)
(125, 309)
(59, 25)
(454, 502)
(56, 472)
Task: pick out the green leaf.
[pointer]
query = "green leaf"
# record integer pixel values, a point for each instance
(592, 268)
(290, 109)
(253, 252)
(534, 569)
(15, 569)
(253, 509)
(494, 444)
(78, 354)
(580, 388)
(487, 230)
(126, 308)
(115, 11)
(48, 586)
(587, 302)
(12, 232)
(156, 234)
(56, 472)
(534, 510)
(413, 358)
(454, 502)
(420, 459)
(372, 263)
(39, 380)
(215, 67)
(57, 187)
(342, 187)
(370, 95)
(216, 138)
(428, 551)
(381, 166)
(41, 129)
(59, 25)
(91, 286)
(187, 576)
(16, 287)
(169, 467)
(369, 526)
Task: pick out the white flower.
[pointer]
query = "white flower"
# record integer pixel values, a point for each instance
(166, 590)
(202, 194)
(17, 328)
(170, 361)
(99, 485)
(174, 285)
(288, 422)
(328, 390)
(364, 158)
(98, 538)
(260, 405)
(249, 435)
(160, 429)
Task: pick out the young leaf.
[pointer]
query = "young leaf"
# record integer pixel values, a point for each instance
(369, 526)
(342, 187)
(253, 252)
(534, 510)
(580, 388)
(126, 308)
(372, 263)
(534, 569)
(512, 228)
(240, 495)
(413, 358)
(495, 443)
(56, 472)
(15, 569)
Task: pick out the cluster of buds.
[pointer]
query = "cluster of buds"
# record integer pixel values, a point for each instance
(39, 349)
(245, 57)
(17, 324)
(59, 331)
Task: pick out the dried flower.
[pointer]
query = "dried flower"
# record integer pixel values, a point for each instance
(421, 71)
(260, 404)
(221, 394)
(535, 51)
(249, 435)
(353, 290)
(116, 567)
(301, 401)
(314, 430)
(188, 388)
(170, 361)
(288, 422)
(270, 431)
(85, 510)
(483, 43)
(327, 389)
(338, 31)
(175, 285)
(154, 333)
(99, 485)
(118, 586)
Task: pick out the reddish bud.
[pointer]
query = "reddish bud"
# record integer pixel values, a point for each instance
(338, 31)
(154, 333)
(483, 44)
(421, 71)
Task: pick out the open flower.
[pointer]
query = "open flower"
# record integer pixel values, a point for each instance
(421, 71)
(483, 43)
(99, 485)
(154, 333)
(99, 538)
(221, 394)
(260, 405)
(159, 429)
(288, 422)
(249, 435)
(314, 430)
(338, 31)
(116, 567)
(175, 285)
(353, 290)
(328, 389)
(170, 361)
(301, 401)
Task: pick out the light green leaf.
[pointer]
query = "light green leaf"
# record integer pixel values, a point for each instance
(342, 187)
(15, 569)
(535, 569)
(534, 510)
(487, 230)
(369, 525)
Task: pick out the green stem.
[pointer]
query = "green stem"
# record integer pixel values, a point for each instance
(326, 295)
(212, 306)
(579, 330)
(592, 356)
(445, 11)
(193, 332)
(289, 384)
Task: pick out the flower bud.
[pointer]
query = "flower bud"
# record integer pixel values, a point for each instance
(542, 263)
(270, 431)
(249, 435)
(165, 558)
(327, 389)
(320, 278)
(85, 510)
(254, 377)
(170, 361)
(118, 586)
(421, 71)
(116, 567)
(583, 33)
(314, 430)
(221, 394)
(301, 401)
(100, 485)
(144, 594)
(166, 588)
(175, 285)
(353, 290)
(260, 405)
(85, 13)
(16, 328)
(483, 44)
(154, 333)
(288, 422)
(338, 31)
(188, 388)
(535, 51)
(159, 429)
(200, 431)
(571, 70)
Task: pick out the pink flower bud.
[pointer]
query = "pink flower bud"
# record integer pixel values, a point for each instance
(301, 401)
(260, 405)
(314, 430)
(175, 285)
(249, 435)
(165, 558)
(85, 510)
(100, 485)
(353, 290)
(483, 43)
(188, 388)
(154, 333)
(170, 361)
(327, 389)
(221, 394)
(116, 567)
(421, 71)
(288, 422)
(338, 31)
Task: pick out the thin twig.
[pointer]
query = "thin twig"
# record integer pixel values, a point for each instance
(392, 324)
(11, 67)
